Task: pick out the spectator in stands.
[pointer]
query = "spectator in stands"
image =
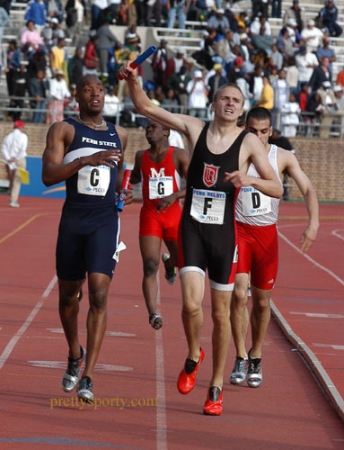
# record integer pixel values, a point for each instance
(112, 105)
(290, 116)
(154, 9)
(237, 70)
(285, 45)
(37, 13)
(303, 102)
(4, 18)
(294, 34)
(282, 94)
(340, 77)
(177, 8)
(97, 9)
(338, 92)
(178, 82)
(176, 62)
(328, 17)
(75, 65)
(276, 57)
(219, 22)
(6, 5)
(325, 51)
(338, 121)
(267, 95)
(75, 15)
(262, 40)
(13, 149)
(297, 13)
(54, 9)
(216, 80)
(276, 8)
(224, 47)
(59, 92)
(37, 62)
(306, 62)
(170, 102)
(292, 76)
(38, 87)
(31, 40)
(256, 83)
(91, 60)
(159, 64)
(312, 36)
(259, 8)
(198, 95)
(314, 107)
(13, 58)
(52, 32)
(249, 64)
(20, 89)
(71, 106)
(260, 26)
(58, 57)
(328, 110)
(106, 40)
(320, 74)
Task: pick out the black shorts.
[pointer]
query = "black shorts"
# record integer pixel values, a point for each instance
(208, 247)
(87, 241)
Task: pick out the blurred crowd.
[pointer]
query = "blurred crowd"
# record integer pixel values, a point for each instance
(290, 73)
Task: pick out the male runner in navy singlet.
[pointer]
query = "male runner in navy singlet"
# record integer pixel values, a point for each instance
(221, 155)
(87, 153)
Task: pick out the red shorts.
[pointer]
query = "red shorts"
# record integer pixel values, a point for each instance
(258, 254)
(163, 225)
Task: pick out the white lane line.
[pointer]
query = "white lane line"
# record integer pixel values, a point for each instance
(336, 233)
(10, 346)
(161, 438)
(318, 315)
(84, 332)
(325, 269)
(333, 346)
(62, 365)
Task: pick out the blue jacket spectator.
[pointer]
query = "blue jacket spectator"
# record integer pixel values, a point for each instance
(36, 13)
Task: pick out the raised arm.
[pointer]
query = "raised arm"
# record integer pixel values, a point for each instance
(190, 126)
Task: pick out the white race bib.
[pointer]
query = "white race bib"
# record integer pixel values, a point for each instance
(94, 180)
(208, 206)
(254, 203)
(160, 187)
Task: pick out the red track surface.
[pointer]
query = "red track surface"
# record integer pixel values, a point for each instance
(139, 367)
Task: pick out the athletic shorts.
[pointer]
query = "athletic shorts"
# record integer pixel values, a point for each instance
(163, 225)
(258, 254)
(87, 241)
(208, 247)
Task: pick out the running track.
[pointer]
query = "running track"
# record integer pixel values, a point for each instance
(138, 367)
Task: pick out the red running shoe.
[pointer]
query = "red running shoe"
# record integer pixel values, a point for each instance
(214, 404)
(187, 377)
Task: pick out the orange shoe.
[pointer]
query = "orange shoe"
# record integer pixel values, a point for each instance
(187, 377)
(214, 404)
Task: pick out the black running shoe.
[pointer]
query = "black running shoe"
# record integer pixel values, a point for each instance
(170, 273)
(71, 377)
(156, 321)
(85, 390)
